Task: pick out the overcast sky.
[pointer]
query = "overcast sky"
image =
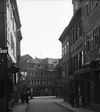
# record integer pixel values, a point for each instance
(43, 21)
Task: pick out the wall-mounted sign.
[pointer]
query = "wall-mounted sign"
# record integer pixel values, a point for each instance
(3, 51)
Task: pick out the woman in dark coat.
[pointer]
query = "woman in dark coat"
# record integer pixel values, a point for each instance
(22, 96)
(27, 94)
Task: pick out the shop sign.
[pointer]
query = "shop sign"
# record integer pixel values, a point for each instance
(3, 51)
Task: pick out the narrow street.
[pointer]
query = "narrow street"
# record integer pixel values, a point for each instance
(45, 104)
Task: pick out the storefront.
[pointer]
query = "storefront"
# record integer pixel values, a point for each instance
(87, 85)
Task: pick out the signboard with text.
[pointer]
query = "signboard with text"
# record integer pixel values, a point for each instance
(3, 51)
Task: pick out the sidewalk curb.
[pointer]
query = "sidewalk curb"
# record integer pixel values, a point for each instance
(64, 107)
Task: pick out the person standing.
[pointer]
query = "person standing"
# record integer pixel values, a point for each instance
(22, 96)
(27, 94)
(71, 94)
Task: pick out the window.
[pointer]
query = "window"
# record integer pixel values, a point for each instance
(30, 74)
(30, 82)
(94, 3)
(92, 39)
(12, 43)
(96, 37)
(67, 47)
(72, 63)
(73, 36)
(33, 73)
(76, 33)
(62, 51)
(89, 42)
(33, 82)
(76, 61)
(80, 28)
(82, 58)
(36, 82)
(65, 50)
(89, 5)
(87, 8)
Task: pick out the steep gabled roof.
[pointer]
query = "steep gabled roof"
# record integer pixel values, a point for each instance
(63, 34)
(25, 57)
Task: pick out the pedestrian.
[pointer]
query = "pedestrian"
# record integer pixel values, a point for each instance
(77, 100)
(22, 96)
(71, 96)
(27, 94)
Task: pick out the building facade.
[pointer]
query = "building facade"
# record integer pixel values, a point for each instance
(91, 10)
(64, 64)
(40, 75)
(84, 31)
(42, 82)
(10, 37)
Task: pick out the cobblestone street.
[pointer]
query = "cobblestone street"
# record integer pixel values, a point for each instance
(44, 104)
